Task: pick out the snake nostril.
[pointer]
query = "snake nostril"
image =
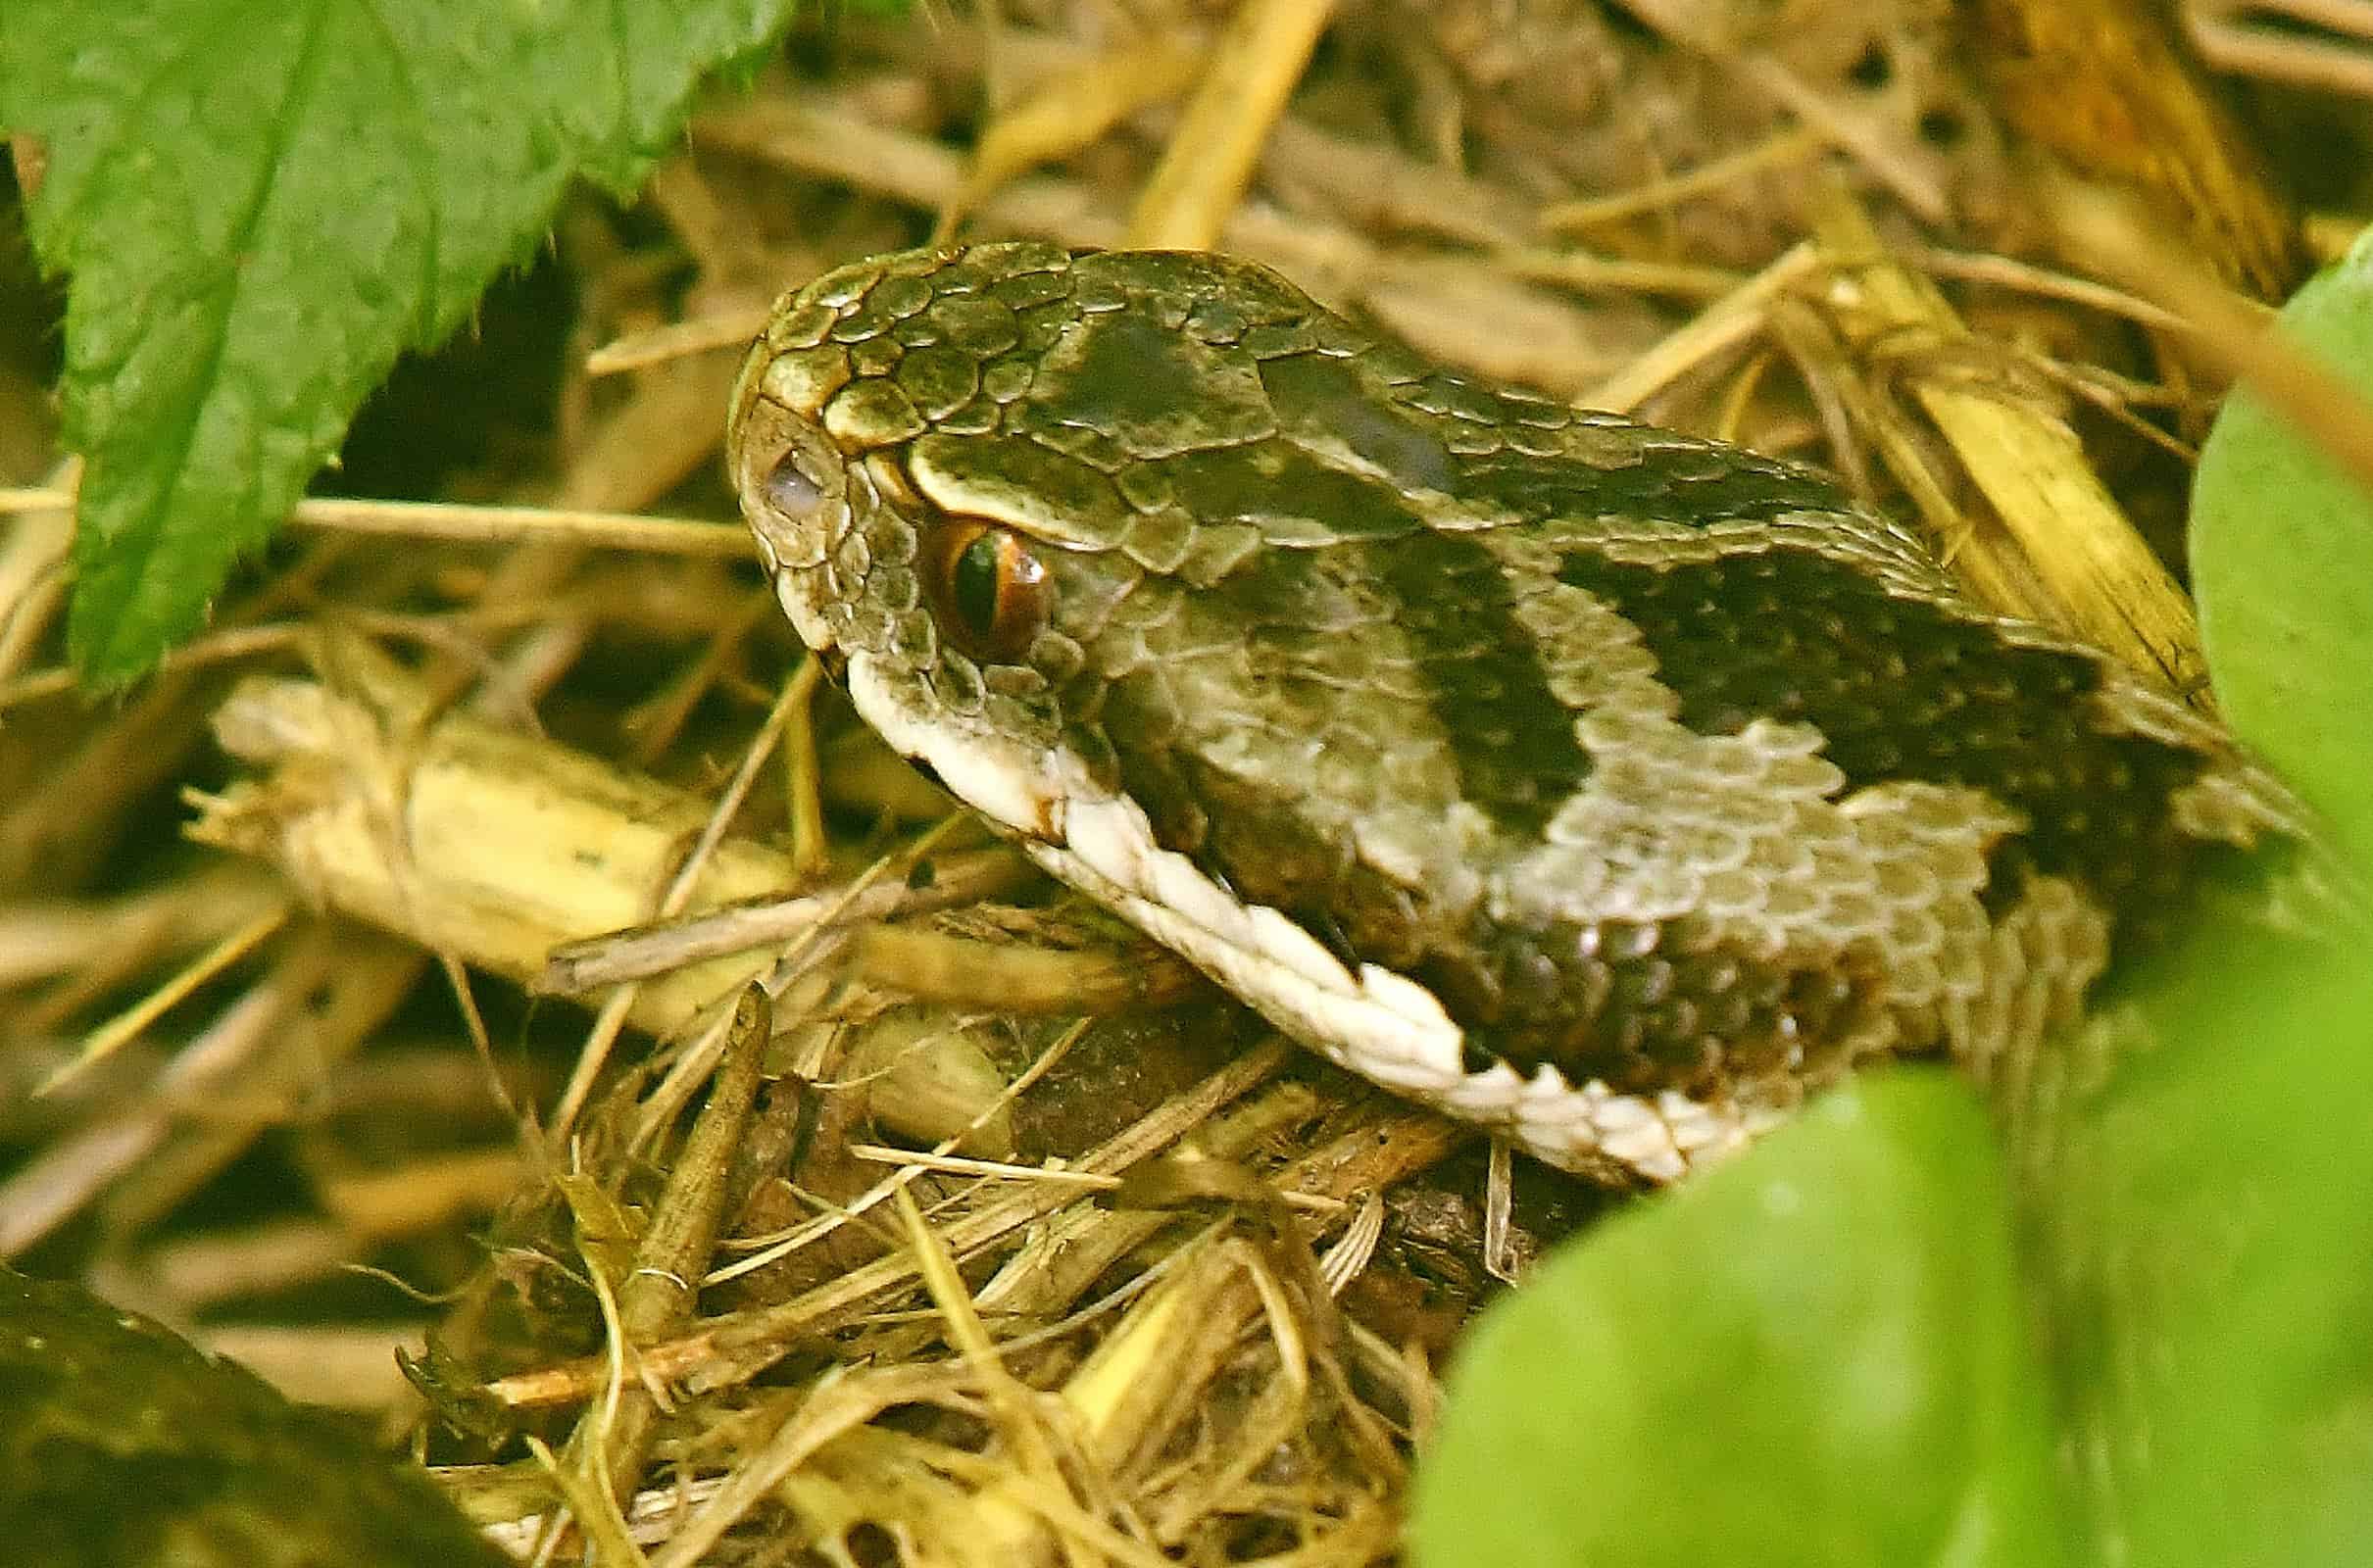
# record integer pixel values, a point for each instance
(790, 489)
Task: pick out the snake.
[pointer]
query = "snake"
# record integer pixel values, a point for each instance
(1609, 787)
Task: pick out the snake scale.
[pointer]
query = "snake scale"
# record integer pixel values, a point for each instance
(1605, 785)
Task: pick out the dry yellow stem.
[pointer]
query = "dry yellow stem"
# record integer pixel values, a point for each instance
(2105, 582)
(1204, 173)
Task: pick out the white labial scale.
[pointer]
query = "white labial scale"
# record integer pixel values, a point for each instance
(1282, 939)
(1699, 1130)
(1100, 836)
(810, 622)
(1400, 994)
(996, 779)
(1590, 1126)
(1624, 1128)
(1380, 1025)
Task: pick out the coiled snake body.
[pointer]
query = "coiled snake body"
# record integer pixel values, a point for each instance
(1602, 784)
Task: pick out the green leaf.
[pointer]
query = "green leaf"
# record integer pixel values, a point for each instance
(2282, 560)
(261, 205)
(2209, 1229)
(1815, 1355)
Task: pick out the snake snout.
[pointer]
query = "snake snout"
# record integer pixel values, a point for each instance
(792, 481)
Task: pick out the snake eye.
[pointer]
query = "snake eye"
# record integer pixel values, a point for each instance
(790, 489)
(993, 592)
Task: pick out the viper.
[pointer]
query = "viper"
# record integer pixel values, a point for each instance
(1607, 786)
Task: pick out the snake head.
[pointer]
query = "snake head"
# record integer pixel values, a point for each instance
(1039, 505)
(940, 617)
(999, 482)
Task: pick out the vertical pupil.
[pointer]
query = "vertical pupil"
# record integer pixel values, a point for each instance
(975, 582)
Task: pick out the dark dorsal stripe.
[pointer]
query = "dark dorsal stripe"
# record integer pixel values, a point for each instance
(1904, 689)
(1513, 739)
